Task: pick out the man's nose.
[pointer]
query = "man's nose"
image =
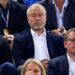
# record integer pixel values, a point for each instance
(37, 17)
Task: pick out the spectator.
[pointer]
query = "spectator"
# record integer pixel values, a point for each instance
(37, 43)
(6, 66)
(12, 18)
(60, 14)
(34, 67)
(65, 65)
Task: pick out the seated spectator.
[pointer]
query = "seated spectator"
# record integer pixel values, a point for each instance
(37, 42)
(60, 15)
(33, 67)
(12, 19)
(65, 65)
(6, 66)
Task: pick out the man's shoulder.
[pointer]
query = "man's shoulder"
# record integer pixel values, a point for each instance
(24, 34)
(60, 59)
(46, 4)
(54, 36)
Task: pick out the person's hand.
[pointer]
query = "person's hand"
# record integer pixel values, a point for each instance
(62, 30)
(59, 31)
(10, 39)
(45, 63)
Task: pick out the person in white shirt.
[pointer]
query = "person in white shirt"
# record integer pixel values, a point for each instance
(37, 42)
(60, 15)
(65, 65)
(60, 7)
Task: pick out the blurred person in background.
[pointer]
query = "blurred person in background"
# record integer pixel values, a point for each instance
(60, 15)
(12, 19)
(6, 61)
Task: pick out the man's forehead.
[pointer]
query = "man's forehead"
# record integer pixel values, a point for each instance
(71, 34)
(36, 10)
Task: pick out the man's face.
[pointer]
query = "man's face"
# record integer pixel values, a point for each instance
(70, 43)
(37, 19)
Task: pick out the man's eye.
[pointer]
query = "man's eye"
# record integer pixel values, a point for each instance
(34, 15)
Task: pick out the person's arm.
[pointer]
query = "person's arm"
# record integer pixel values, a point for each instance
(18, 51)
(5, 51)
(59, 31)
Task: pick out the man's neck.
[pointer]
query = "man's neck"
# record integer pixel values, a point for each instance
(72, 56)
(59, 4)
(4, 4)
(38, 31)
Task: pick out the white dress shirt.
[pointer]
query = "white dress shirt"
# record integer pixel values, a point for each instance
(60, 14)
(15, 0)
(40, 46)
(71, 65)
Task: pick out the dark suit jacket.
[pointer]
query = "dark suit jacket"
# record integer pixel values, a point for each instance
(5, 52)
(68, 19)
(17, 18)
(20, 1)
(23, 47)
(59, 66)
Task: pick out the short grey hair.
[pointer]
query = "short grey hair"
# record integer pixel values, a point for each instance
(36, 5)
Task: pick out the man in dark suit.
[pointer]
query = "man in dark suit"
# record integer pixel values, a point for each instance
(60, 13)
(37, 42)
(12, 18)
(65, 65)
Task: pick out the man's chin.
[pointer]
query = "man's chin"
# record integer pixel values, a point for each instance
(38, 28)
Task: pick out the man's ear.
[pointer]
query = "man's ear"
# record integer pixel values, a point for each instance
(65, 44)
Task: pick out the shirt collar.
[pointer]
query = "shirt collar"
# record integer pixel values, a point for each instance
(69, 58)
(8, 5)
(65, 2)
(34, 33)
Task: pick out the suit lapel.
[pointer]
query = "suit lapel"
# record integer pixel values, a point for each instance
(50, 45)
(64, 66)
(51, 14)
(66, 16)
(30, 44)
(54, 17)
